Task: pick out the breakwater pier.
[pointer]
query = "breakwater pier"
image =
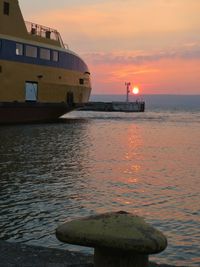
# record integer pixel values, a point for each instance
(137, 106)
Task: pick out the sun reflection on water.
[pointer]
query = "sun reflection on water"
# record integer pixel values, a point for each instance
(85, 167)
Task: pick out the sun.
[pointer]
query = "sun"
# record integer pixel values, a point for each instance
(135, 90)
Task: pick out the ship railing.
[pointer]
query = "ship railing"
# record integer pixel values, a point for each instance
(44, 32)
(66, 46)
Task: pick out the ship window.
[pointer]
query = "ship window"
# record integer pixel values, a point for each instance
(31, 51)
(19, 49)
(55, 56)
(6, 8)
(44, 53)
(81, 81)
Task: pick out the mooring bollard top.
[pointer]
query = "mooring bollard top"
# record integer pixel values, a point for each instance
(117, 230)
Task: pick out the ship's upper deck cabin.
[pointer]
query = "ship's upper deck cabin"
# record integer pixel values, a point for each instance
(12, 24)
(32, 43)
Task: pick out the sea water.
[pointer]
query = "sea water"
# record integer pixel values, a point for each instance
(94, 162)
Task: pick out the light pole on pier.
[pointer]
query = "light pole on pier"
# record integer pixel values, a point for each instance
(127, 84)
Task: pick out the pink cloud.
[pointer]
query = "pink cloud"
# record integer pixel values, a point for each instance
(187, 52)
(175, 75)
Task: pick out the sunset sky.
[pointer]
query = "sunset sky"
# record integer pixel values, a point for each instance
(154, 44)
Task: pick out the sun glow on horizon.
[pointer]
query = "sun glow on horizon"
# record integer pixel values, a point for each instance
(135, 90)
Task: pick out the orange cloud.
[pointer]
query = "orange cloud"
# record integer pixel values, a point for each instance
(160, 77)
(123, 19)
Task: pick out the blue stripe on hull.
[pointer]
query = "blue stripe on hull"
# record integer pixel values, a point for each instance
(66, 60)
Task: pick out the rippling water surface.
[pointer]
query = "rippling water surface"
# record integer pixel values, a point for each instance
(94, 162)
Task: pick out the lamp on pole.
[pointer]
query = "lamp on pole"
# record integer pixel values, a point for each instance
(127, 84)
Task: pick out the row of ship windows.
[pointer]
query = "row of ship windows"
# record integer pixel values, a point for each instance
(32, 51)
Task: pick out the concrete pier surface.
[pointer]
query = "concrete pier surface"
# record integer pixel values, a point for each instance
(137, 106)
(21, 255)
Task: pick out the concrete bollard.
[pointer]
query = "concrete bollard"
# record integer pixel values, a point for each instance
(120, 239)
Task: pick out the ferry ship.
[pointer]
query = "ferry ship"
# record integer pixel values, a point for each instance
(40, 78)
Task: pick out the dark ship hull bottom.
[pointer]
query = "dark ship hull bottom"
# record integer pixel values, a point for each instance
(31, 112)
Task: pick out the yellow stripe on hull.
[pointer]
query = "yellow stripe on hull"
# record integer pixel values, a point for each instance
(53, 83)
